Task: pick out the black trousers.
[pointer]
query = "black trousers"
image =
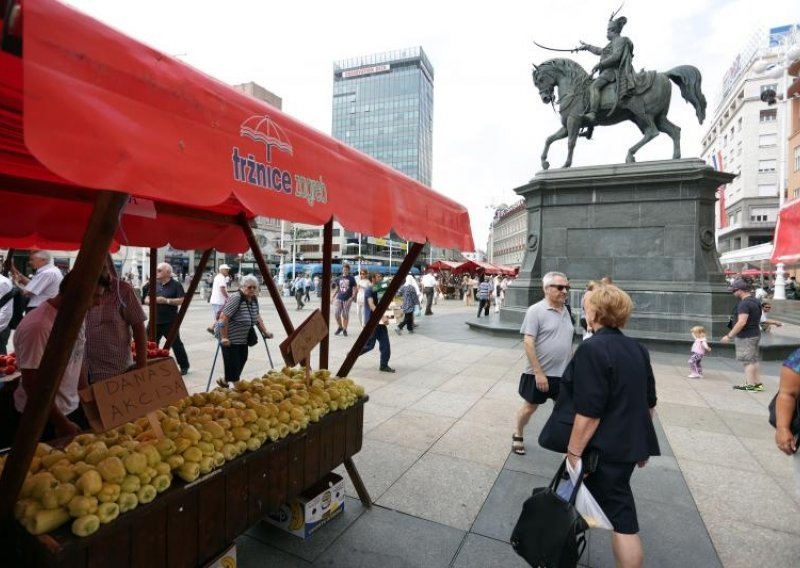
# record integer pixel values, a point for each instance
(428, 291)
(4, 335)
(408, 321)
(484, 305)
(162, 329)
(234, 357)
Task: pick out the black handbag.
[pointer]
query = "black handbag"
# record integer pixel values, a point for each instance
(557, 430)
(550, 532)
(252, 338)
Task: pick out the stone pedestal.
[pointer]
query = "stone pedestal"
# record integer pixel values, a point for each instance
(650, 226)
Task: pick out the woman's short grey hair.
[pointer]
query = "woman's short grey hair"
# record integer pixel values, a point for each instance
(43, 254)
(248, 279)
(548, 278)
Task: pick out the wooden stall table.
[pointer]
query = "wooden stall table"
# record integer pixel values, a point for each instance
(190, 524)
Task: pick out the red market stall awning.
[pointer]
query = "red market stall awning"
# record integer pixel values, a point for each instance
(445, 265)
(485, 267)
(786, 247)
(89, 108)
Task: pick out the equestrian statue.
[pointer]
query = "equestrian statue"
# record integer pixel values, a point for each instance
(616, 94)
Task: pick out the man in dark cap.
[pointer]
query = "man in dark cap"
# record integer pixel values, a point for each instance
(615, 66)
(746, 334)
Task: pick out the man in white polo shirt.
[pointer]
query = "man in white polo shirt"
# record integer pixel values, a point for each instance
(219, 294)
(548, 331)
(44, 284)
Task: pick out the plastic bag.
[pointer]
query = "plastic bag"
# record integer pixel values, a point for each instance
(586, 504)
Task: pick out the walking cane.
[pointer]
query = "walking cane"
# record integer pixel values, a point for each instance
(214, 364)
(271, 366)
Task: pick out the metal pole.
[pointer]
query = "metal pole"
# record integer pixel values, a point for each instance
(325, 283)
(294, 250)
(359, 253)
(281, 276)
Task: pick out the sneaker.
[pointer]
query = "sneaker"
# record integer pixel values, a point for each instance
(184, 370)
(693, 376)
(338, 331)
(344, 332)
(758, 387)
(743, 387)
(386, 369)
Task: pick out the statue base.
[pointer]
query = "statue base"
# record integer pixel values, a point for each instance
(650, 227)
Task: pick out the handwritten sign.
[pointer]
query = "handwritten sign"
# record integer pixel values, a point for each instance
(132, 395)
(297, 347)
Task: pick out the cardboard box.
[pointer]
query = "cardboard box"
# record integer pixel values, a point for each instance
(316, 506)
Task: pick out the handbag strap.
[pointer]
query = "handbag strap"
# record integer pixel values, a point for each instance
(560, 475)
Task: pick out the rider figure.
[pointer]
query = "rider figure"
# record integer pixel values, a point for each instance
(615, 65)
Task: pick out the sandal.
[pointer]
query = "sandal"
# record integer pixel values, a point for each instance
(517, 445)
(222, 383)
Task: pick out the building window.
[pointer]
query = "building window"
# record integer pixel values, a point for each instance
(767, 166)
(758, 240)
(797, 158)
(768, 140)
(767, 190)
(762, 214)
(769, 115)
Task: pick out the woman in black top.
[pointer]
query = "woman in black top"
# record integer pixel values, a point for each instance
(238, 316)
(613, 388)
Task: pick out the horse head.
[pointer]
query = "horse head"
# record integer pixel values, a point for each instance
(545, 82)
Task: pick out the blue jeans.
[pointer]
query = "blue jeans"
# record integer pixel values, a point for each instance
(381, 335)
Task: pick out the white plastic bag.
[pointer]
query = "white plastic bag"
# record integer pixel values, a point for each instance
(586, 504)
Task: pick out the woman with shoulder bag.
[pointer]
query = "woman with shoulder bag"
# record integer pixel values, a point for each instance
(787, 422)
(410, 306)
(614, 394)
(236, 321)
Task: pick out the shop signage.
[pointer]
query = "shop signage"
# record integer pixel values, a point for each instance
(298, 346)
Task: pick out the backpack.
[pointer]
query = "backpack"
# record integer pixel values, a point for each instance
(20, 302)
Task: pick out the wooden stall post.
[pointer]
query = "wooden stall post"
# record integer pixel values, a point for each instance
(187, 299)
(262, 265)
(325, 293)
(381, 308)
(76, 301)
(151, 290)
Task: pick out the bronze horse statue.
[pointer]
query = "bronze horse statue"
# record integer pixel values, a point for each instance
(647, 108)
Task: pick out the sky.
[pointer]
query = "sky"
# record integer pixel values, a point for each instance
(489, 123)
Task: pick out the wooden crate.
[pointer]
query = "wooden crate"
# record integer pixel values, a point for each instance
(191, 524)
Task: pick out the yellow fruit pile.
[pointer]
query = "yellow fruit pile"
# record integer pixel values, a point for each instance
(96, 477)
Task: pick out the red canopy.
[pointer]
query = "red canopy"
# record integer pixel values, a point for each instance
(445, 265)
(787, 235)
(101, 111)
(485, 267)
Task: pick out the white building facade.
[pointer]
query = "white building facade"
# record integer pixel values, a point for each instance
(507, 234)
(744, 138)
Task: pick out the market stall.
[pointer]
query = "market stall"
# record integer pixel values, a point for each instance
(450, 282)
(104, 141)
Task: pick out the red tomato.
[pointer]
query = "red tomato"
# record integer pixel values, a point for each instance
(152, 345)
(163, 352)
(3, 360)
(10, 369)
(151, 353)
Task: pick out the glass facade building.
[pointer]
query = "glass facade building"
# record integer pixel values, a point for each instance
(383, 107)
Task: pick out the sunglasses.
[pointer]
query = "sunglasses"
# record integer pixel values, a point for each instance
(560, 287)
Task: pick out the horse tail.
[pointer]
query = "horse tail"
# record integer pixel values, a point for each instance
(688, 78)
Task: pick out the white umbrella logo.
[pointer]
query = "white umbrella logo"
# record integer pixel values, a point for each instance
(263, 129)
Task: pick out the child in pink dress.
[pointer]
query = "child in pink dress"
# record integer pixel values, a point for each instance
(699, 349)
